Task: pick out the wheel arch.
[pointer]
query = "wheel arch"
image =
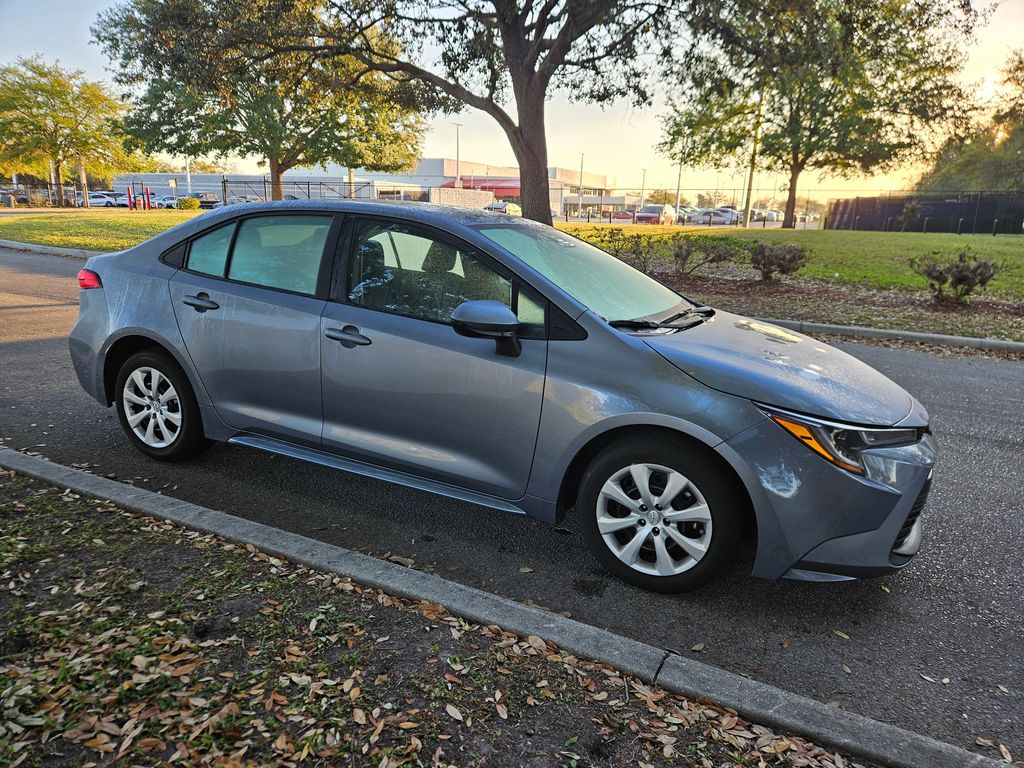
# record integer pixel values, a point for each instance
(132, 341)
(585, 455)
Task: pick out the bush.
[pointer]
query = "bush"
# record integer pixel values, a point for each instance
(690, 253)
(771, 259)
(187, 203)
(962, 274)
(638, 250)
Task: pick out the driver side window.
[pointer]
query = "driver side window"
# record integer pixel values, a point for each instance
(396, 269)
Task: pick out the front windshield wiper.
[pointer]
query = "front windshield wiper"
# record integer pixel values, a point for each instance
(697, 313)
(645, 324)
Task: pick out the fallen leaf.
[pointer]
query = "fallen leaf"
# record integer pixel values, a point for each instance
(841, 634)
(784, 644)
(698, 648)
(502, 711)
(847, 670)
(526, 569)
(1005, 753)
(453, 712)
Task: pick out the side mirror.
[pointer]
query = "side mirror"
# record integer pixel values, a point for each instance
(487, 319)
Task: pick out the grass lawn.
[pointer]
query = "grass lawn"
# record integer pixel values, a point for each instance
(94, 231)
(873, 259)
(129, 641)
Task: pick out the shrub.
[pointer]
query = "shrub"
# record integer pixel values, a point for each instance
(187, 203)
(962, 274)
(690, 253)
(638, 250)
(771, 259)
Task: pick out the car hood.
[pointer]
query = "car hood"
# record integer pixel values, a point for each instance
(775, 366)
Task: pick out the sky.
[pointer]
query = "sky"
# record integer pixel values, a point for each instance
(617, 140)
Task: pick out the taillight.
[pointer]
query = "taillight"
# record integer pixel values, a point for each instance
(88, 279)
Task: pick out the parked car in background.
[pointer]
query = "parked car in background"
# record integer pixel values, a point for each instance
(97, 200)
(656, 214)
(504, 206)
(623, 215)
(504, 363)
(711, 216)
(729, 214)
(164, 201)
(208, 200)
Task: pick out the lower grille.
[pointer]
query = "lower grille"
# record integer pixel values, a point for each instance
(915, 512)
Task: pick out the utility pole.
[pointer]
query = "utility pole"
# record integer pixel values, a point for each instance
(188, 176)
(643, 188)
(581, 185)
(84, 180)
(755, 148)
(458, 165)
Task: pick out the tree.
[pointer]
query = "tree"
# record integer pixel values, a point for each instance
(49, 115)
(992, 156)
(710, 199)
(293, 110)
(501, 57)
(842, 88)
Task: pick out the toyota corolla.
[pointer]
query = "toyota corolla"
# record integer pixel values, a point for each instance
(499, 361)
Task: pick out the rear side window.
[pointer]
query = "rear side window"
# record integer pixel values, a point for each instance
(209, 254)
(280, 252)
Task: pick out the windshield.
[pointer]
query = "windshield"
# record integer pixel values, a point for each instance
(594, 278)
(651, 209)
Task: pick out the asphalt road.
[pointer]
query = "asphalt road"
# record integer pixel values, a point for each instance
(956, 613)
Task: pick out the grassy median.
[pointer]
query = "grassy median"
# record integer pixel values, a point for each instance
(104, 230)
(130, 641)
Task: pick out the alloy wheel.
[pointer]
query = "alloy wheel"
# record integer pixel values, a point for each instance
(654, 519)
(152, 407)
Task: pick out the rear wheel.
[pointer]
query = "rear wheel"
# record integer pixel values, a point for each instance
(157, 408)
(659, 513)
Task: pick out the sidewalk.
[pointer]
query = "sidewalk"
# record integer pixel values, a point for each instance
(130, 638)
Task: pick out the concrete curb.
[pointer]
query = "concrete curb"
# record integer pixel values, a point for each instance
(938, 339)
(758, 702)
(48, 250)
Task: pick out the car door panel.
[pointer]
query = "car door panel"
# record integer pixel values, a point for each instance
(258, 354)
(422, 399)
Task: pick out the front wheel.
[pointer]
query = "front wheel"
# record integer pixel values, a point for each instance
(659, 513)
(157, 409)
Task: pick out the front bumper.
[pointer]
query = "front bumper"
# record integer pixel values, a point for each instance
(817, 522)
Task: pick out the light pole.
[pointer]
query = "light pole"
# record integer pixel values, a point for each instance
(581, 185)
(458, 165)
(188, 176)
(643, 187)
(679, 180)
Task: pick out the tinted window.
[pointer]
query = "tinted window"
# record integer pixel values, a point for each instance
(208, 254)
(280, 251)
(396, 269)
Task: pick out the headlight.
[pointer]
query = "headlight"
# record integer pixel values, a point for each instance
(840, 444)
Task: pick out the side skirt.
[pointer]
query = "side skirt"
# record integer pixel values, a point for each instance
(334, 461)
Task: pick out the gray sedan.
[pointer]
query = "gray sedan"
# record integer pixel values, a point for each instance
(502, 362)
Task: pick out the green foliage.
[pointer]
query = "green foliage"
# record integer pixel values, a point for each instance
(771, 259)
(294, 109)
(690, 253)
(992, 156)
(188, 204)
(49, 114)
(961, 274)
(843, 88)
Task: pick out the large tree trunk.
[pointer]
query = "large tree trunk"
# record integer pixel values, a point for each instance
(276, 169)
(530, 144)
(789, 219)
(58, 182)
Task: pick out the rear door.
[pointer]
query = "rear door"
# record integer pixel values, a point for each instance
(248, 304)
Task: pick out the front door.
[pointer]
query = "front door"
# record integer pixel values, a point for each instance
(403, 390)
(248, 304)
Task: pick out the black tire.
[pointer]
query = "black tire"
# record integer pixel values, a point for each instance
(189, 440)
(726, 504)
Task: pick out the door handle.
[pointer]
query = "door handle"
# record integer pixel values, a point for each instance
(200, 303)
(348, 337)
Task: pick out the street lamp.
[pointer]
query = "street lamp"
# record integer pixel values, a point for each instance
(458, 165)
